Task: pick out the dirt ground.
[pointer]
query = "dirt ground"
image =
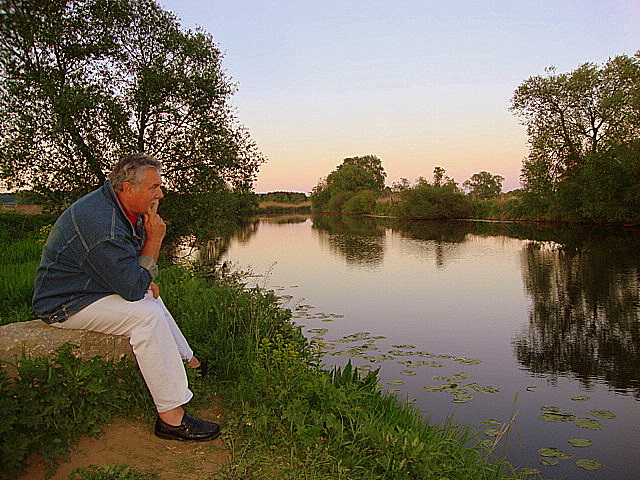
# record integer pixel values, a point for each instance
(133, 443)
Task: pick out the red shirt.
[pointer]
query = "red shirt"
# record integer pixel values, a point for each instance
(133, 218)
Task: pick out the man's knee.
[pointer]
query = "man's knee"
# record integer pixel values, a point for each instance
(148, 314)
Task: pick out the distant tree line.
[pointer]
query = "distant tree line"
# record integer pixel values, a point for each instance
(357, 186)
(283, 197)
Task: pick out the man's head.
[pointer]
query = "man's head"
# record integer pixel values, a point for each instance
(137, 182)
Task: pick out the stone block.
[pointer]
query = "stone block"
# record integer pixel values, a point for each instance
(37, 339)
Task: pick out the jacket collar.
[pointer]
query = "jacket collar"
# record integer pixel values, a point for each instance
(113, 198)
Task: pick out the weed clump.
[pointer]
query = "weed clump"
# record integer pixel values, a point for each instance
(53, 400)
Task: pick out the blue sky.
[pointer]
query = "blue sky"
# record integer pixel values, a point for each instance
(417, 83)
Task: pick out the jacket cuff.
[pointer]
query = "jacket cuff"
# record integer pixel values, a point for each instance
(148, 264)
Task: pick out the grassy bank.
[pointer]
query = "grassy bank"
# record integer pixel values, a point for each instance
(285, 418)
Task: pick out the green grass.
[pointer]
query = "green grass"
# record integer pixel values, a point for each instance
(285, 418)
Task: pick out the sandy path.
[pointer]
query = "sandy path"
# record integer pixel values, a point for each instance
(133, 443)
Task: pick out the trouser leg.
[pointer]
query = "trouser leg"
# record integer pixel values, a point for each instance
(183, 346)
(152, 334)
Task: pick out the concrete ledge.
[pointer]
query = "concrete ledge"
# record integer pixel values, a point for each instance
(37, 339)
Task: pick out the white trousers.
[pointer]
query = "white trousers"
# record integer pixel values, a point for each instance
(158, 343)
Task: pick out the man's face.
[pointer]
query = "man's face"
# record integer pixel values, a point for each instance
(137, 198)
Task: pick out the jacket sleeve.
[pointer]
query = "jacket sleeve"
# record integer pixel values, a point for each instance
(115, 264)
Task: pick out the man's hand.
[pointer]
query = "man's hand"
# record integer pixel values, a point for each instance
(154, 226)
(155, 229)
(155, 290)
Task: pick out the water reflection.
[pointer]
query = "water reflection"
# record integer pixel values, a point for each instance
(208, 251)
(360, 240)
(583, 284)
(585, 318)
(445, 237)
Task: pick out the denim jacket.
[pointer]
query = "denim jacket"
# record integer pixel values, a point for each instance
(92, 251)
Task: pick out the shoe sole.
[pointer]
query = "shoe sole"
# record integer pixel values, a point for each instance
(203, 439)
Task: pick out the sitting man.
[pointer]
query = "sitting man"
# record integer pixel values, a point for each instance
(96, 273)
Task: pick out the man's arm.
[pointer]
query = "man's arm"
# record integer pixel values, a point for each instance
(115, 264)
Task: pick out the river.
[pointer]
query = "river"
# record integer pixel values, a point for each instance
(528, 334)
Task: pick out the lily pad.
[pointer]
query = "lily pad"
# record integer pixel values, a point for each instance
(588, 464)
(405, 347)
(431, 388)
(603, 414)
(580, 442)
(481, 389)
(400, 353)
(552, 452)
(395, 382)
(588, 423)
(462, 398)
(408, 372)
(531, 389)
(468, 361)
(319, 331)
(435, 364)
(582, 398)
(549, 461)
(530, 471)
(554, 414)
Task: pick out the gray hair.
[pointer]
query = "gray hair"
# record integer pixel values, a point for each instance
(129, 169)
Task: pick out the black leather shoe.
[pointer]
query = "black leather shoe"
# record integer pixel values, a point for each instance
(190, 429)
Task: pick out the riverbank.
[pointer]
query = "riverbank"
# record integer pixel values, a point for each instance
(283, 416)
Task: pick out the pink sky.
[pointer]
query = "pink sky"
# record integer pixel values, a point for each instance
(418, 83)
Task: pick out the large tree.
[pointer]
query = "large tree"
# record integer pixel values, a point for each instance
(572, 118)
(85, 81)
(352, 176)
(372, 165)
(484, 185)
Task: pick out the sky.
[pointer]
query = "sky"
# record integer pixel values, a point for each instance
(417, 83)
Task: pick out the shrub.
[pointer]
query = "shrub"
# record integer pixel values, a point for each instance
(362, 202)
(433, 202)
(53, 400)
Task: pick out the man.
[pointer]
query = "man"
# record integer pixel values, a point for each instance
(96, 273)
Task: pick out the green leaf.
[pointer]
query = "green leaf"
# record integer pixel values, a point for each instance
(588, 464)
(549, 461)
(588, 423)
(530, 471)
(603, 414)
(462, 398)
(552, 452)
(580, 442)
(581, 398)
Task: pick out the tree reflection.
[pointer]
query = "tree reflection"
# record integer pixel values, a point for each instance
(360, 240)
(585, 317)
(208, 251)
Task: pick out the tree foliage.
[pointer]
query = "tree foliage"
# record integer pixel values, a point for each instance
(484, 185)
(85, 81)
(438, 200)
(574, 119)
(353, 175)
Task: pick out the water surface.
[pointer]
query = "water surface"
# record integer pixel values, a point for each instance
(512, 317)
